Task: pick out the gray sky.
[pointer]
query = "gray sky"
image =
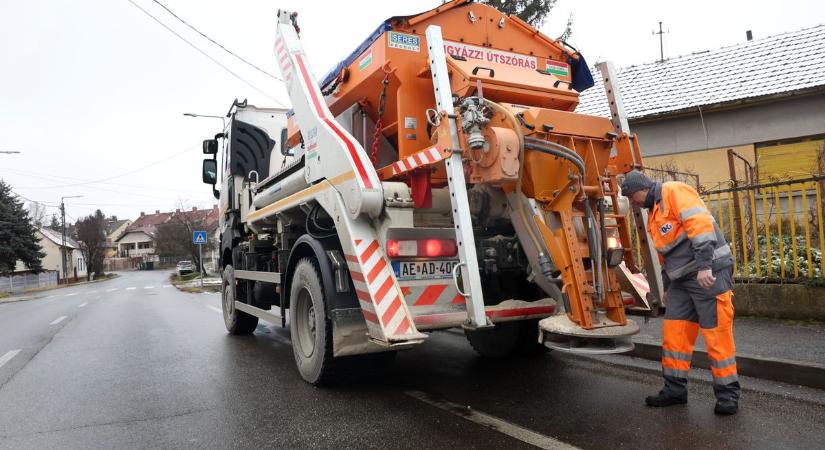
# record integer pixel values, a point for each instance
(92, 92)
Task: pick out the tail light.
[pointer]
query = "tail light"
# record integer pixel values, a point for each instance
(426, 248)
(615, 252)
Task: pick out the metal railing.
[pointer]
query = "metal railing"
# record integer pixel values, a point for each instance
(775, 230)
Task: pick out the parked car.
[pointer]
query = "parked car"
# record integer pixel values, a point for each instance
(185, 267)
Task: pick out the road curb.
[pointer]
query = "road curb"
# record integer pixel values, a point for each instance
(34, 294)
(775, 369)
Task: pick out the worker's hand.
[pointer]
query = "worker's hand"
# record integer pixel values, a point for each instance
(705, 278)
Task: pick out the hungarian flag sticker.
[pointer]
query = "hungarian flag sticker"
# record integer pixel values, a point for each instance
(557, 68)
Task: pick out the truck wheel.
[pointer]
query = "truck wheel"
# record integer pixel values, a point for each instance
(506, 339)
(309, 328)
(237, 322)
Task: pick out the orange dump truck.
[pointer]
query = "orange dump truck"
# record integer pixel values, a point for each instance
(437, 177)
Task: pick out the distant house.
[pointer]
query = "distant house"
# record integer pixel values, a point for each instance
(138, 239)
(762, 98)
(51, 242)
(114, 230)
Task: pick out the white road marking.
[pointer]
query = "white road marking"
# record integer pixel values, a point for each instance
(148, 287)
(167, 285)
(69, 295)
(82, 304)
(218, 310)
(131, 288)
(51, 296)
(491, 422)
(58, 320)
(112, 290)
(8, 356)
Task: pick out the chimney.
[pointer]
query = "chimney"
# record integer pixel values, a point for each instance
(157, 211)
(177, 211)
(141, 214)
(749, 35)
(194, 208)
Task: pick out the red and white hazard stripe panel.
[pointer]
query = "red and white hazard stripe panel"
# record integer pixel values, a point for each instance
(377, 291)
(432, 294)
(283, 59)
(417, 160)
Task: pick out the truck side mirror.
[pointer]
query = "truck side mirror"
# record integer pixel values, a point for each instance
(284, 137)
(210, 147)
(210, 171)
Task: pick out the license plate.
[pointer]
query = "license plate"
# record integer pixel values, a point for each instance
(423, 270)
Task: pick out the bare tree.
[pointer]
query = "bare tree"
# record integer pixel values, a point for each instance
(37, 213)
(174, 238)
(568, 29)
(533, 12)
(91, 235)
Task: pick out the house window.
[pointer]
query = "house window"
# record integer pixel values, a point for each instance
(144, 245)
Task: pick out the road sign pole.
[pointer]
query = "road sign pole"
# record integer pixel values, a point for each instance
(200, 261)
(199, 238)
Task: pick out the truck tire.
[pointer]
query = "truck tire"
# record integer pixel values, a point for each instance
(310, 328)
(507, 339)
(237, 322)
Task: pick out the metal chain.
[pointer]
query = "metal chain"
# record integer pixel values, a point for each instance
(382, 103)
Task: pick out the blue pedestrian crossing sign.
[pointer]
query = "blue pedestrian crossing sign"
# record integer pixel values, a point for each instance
(199, 237)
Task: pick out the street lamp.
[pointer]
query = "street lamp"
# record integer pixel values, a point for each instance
(63, 248)
(223, 119)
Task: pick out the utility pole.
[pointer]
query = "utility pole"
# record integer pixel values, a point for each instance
(63, 246)
(661, 43)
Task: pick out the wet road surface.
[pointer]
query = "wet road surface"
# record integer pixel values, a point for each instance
(134, 363)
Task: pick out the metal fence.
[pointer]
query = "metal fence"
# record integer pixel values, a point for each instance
(775, 230)
(26, 281)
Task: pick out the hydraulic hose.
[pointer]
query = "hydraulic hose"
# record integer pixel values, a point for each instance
(551, 148)
(594, 244)
(544, 263)
(520, 205)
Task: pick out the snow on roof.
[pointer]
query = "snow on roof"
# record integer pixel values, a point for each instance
(782, 64)
(57, 237)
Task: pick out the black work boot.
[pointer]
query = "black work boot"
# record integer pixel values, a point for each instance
(664, 399)
(726, 407)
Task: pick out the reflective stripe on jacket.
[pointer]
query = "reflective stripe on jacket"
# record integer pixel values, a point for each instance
(684, 232)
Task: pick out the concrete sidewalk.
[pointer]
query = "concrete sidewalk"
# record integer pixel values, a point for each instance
(779, 350)
(771, 338)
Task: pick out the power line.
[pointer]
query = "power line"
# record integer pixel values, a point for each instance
(102, 180)
(215, 42)
(205, 54)
(61, 179)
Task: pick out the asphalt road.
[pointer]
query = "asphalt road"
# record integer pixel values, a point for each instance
(133, 363)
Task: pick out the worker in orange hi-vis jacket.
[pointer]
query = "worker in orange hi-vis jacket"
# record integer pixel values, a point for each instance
(697, 273)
